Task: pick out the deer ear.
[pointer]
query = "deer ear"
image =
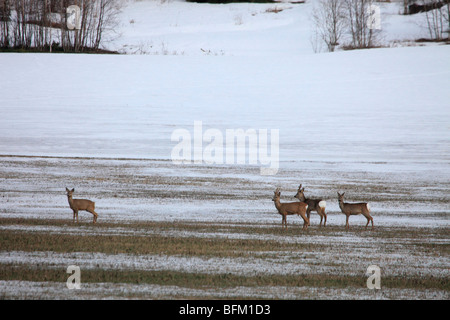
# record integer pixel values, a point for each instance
(67, 189)
(73, 190)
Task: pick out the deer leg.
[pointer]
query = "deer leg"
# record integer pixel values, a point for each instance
(306, 222)
(346, 223)
(369, 219)
(76, 214)
(319, 212)
(95, 215)
(73, 216)
(325, 216)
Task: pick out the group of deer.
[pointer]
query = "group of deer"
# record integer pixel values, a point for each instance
(305, 206)
(302, 208)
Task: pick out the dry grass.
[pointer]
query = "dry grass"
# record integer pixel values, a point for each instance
(156, 244)
(259, 253)
(221, 247)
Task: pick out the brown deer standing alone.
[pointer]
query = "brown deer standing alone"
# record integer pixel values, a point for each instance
(317, 205)
(285, 209)
(80, 204)
(354, 209)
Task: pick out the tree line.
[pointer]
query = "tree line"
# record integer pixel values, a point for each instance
(41, 25)
(358, 21)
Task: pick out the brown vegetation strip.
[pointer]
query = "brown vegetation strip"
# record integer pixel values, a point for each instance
(156, 244)
(31, 241)
(204, 280)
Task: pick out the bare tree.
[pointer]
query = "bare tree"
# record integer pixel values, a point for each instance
(329, 22)
(98, 18)
(335, 18)
(105, 22)
(33, 24)
(5, 18)
(21, 29)
(447, 18)
(358, 19)
(437, 20)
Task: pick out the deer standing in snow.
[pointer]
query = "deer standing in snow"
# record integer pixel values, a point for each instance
(350, 209)
(285, 209)
(80, 204)
(317, 205)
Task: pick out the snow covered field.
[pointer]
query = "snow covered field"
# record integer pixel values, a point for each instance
(373, 123)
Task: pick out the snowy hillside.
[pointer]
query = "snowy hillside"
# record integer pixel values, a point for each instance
(176, 27)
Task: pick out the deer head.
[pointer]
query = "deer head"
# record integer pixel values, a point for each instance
(299, 195)
(276, 195)
(341, 196)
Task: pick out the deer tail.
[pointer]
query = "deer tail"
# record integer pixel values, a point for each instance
(322, 204)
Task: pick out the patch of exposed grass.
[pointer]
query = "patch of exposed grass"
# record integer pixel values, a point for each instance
(416, 238)
(268, 244)
(224, 280)
(155, 244)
